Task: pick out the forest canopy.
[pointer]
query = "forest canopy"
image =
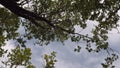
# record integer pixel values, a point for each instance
(47, 21)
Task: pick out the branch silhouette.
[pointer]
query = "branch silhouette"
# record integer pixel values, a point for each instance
(31, 16)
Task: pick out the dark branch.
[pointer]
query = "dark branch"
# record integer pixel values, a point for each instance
(13, 7)
(31, 16)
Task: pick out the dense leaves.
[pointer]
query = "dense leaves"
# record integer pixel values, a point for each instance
(8, 27)
(56, 20)
(19, 57)
(50, 60)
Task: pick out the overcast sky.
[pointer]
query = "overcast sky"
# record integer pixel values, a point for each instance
(66, 56)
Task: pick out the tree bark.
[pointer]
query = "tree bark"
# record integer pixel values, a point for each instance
(31, 16)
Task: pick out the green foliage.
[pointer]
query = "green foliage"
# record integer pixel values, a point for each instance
(65, 14)
(8, 27)
(31, 66)
(77, 49)
(19, 57)
(109, 61)
(50, 60)
(9, 24)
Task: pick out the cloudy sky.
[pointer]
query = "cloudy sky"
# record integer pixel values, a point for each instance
(66, 56)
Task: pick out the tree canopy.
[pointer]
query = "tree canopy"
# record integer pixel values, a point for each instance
(46, 21)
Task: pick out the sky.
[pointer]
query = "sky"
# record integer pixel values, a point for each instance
(66, 56)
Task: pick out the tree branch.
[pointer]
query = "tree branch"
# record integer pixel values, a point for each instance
(14, 7)
(31, 16)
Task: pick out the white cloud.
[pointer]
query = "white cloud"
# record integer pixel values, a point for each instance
(66, 57)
